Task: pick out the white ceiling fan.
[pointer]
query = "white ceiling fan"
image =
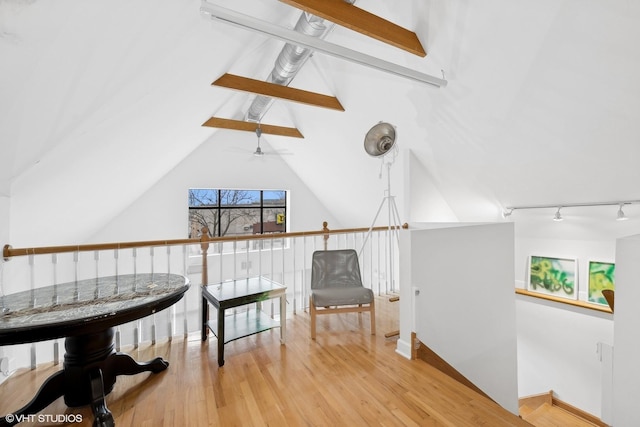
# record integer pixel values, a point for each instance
(259, 152)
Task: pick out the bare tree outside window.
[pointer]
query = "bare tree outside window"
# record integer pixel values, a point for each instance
(203, 207)
(236, 212)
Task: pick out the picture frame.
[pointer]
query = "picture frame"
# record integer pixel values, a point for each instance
(601, 277)
(553, 276)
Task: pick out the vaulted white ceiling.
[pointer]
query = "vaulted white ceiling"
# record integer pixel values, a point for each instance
(541, 107)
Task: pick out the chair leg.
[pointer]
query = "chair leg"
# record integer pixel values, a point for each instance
(372, 313)
(312, 312)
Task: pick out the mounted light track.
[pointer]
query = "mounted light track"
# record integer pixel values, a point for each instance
(217, 122)
(232, 81)
(508, 211)
(356, 19)
(262, 27)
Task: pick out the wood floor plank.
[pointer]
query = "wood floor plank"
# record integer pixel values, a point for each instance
(346, 377)
(547, 415)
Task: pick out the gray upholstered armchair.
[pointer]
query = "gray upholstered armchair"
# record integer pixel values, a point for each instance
(336, 286)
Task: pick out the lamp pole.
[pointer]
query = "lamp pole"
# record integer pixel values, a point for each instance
(392, 228)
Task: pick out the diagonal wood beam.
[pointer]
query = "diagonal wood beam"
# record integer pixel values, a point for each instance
(356, 19)
(217, 122)
(278, 91)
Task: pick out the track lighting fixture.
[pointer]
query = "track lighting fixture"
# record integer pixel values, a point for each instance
(621, 216)
(507, 213)
(558, 216)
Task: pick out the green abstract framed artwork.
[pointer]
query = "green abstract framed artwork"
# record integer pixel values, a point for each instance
(553, 276)
(601, 277)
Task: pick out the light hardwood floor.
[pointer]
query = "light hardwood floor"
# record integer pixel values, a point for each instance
(551, 416)
(345, 378)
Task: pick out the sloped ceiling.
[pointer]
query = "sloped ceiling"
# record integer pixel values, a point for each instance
(541, 106)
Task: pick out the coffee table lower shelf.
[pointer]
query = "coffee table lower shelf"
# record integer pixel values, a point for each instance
(243, 324)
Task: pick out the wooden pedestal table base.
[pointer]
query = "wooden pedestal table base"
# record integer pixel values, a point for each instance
(89, 373)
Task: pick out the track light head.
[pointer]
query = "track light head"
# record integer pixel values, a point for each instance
(558, 216)
(507, 213)
(621, 216)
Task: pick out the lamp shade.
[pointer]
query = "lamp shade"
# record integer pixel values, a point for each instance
(380, 139)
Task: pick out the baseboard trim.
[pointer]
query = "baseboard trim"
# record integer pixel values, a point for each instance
(579, 412)
(537, 400)
(403, 348)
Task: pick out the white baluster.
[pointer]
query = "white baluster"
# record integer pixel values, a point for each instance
(56, 343)
(32, 278)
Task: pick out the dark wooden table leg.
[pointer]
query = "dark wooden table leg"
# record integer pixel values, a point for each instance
(101, 415)
(50, 390)
(205, 318)
(123, 364)
(220, 336)
(103, 377)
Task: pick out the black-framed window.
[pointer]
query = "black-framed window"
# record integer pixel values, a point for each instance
(228, 212)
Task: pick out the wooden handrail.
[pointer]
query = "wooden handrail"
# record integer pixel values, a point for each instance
(8, 252)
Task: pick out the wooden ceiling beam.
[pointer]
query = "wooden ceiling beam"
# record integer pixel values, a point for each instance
(217, 122)
(246, 84)
(356, 19)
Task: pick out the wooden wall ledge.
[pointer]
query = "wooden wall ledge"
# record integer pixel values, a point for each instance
(575, 303)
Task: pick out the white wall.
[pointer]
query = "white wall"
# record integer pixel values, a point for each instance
(4, 239)
(557, 343)
(557, 350)
(465, 310)
(224, 161)
(158, 210)
(4, 220)
(626, 351)
(423, 201)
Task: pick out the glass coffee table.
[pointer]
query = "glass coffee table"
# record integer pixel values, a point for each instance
(236, 293)
(85, 313)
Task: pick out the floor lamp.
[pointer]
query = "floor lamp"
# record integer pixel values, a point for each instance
(380, 142)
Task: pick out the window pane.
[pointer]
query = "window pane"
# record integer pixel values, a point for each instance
(274, 220)
(199, 218)
(275, 198)
(239, 221)
(240, 197)
(202, 197)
